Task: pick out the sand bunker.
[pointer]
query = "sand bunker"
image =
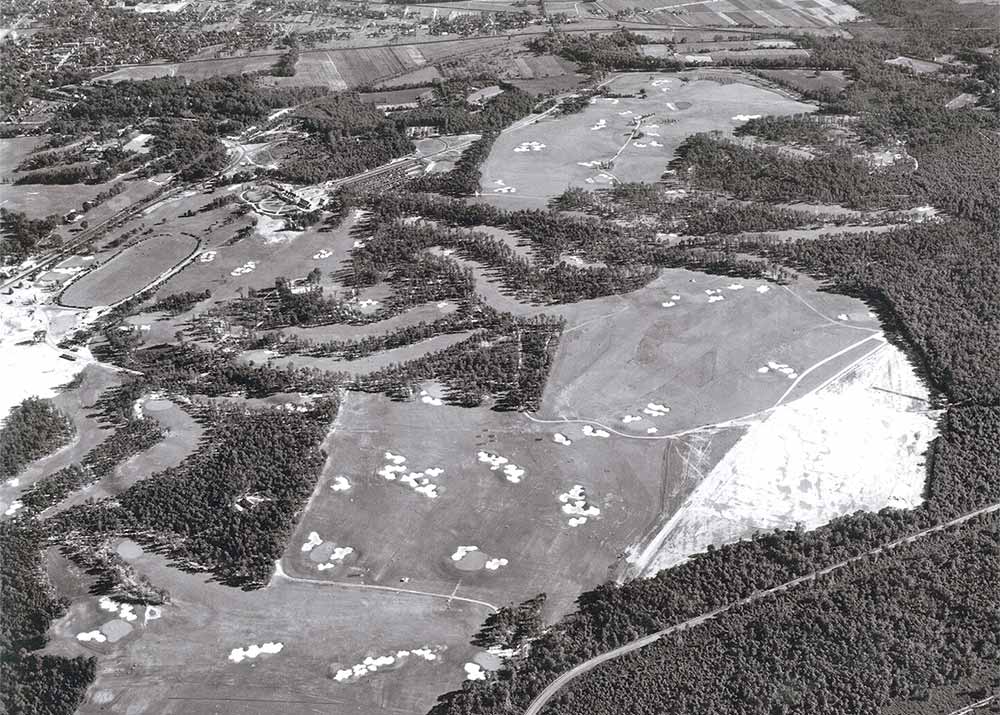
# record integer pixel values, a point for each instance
(842, 448)
(560, 438)
(601, 124)
(420, 482)
(238, 655)
(735, 286)
(655, 409)
(430, 399)
(512, 473)
(248, 267)
(494, 564)
(762, 289)
(312, 543)
(529, 146)
(208, 256)
(360, 244)
(576, 507)
(503, 188)
(781, 367)
(322, 255)
(95, 636)
(125, 611)
(153, 613)
(627, 419)
(470, 558)
(336, 555)
(651, 430)
(13, 482)
(371, 664)
(745, 117)
(473, 671)
(14, 507)
(591, 432)
(340, 484)
(668, 304)
(715, 298)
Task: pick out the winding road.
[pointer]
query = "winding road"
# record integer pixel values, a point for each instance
(559, 683)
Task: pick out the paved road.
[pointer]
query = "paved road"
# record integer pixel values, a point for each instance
(559, 683)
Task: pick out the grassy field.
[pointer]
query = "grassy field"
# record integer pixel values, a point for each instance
(747, 13)
(129, 271)
(179, 662)
(414, 537)
(541, 160)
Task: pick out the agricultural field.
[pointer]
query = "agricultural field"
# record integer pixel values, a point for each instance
(734, 13)
(633, 137)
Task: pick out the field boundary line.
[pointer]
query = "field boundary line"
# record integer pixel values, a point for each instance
(279, 572)
(536, 705)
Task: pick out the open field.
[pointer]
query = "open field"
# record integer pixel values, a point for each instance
(416, 536)
(809, 80)
(179, 662)
(129, 271)
(857, 443)
(528, 167)
(39, 200)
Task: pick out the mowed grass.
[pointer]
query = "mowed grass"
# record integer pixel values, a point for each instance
(179, 662)
(399, 534)
(601, 132)
(129, 271)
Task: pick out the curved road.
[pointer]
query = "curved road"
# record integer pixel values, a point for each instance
(559, 683)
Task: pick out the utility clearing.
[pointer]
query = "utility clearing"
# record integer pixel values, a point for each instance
(857, 443)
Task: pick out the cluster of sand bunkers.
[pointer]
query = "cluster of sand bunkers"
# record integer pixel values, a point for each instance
(529, 146)
(208, 256)
(512, 473)
(372, 664)
(472, 558)
(502, 188)
(248, 267)
(322, 255)
(325, 554)
(340, 484)
(238, 655)
(715, 295)
(781, 367)
(395, 470)
(120, 626)
(576, 507)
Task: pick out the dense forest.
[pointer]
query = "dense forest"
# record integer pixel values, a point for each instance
(33, 429)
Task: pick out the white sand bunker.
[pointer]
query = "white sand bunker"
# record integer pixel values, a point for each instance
(420, 482)
(628, 419)
(735, 286)
(651, 430)
(639, 144)
(503, 188)
(762, 289)
(340, 484)
(473, 671)
(430, 399)
(668, 303)
(13, 482)
(462, 551)
(208, 256)
(589, 164)
(494, 564)
(125, 611)
(529, 146)
(843, 316)
(512, 473)
(360, 244)
(781, 367)
(337, 554)
(472, 558)
(312, 542)
(14, 507)
(322, 255)
(248, 267)
(655, 143)
(655, 409)
(367, 303)
(95, 636)
(715, 298)
(842, 448)
(560, 438)
(601, 123)
(576, 507)
(153, 613)
(591, 432)
(626, 113)
(238, 655)
(371, 664)
(745, 117)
